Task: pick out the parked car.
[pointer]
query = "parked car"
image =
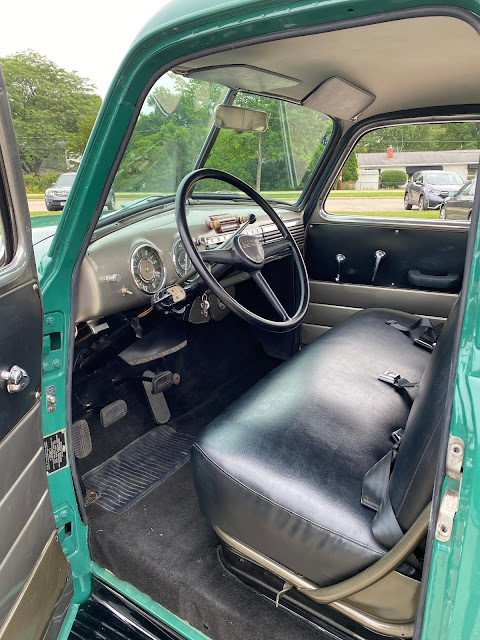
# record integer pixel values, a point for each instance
(56, 195)
(428, 189)
(459, 206)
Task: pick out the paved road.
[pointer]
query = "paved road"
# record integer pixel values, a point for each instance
(36, 205)
(354, 205)
(363, 205)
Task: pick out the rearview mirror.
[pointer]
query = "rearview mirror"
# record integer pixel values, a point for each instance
(241, 119)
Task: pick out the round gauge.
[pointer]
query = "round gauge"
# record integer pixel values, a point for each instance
(181, 261)
(147, 268)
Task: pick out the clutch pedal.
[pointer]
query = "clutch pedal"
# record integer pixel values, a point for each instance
(113, 412)
(81, 439)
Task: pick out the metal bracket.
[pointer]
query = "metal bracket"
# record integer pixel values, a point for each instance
(451, 497)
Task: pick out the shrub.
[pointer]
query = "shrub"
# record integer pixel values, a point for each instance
(392, 178)
(38, 184)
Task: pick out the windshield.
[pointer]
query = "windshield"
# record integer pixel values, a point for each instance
(66, 179)
(175, 125)
(443, 177)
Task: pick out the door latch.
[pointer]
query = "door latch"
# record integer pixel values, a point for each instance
(451, 497)
(17, 379)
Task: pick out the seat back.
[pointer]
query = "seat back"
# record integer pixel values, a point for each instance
(411, 482)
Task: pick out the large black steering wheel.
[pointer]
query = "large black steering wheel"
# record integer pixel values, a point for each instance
(245, 253)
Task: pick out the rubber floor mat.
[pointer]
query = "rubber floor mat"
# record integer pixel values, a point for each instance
(138, 468)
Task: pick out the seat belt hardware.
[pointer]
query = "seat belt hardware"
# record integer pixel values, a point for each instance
(389, 377)
(396, 380)
(397, 438)
(422, 341)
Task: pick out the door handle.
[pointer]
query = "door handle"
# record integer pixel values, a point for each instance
(17, 379)
(379, 256)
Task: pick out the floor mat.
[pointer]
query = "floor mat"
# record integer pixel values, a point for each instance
(165, 547)
(138, 468)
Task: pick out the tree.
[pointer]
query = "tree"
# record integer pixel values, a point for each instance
(53, 110)
(350, 169)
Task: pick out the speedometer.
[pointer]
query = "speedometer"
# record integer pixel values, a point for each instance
(181, 261)
(147, 268)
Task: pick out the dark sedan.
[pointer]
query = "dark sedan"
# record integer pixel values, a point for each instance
(459, 206)
(428, 189)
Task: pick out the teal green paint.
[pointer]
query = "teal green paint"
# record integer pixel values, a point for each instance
(68, 622)
(146, 603)
(179, 29)
(452, 608)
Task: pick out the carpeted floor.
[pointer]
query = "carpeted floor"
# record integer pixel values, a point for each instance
(164, 547)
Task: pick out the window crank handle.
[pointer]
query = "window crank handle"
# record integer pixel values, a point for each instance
(340, 258)
(379, 256)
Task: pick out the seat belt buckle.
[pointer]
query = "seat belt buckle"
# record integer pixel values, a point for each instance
(390, 377)
(397, 438)
(425, 343)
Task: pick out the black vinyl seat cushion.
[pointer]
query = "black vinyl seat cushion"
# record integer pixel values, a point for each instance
(282, 468)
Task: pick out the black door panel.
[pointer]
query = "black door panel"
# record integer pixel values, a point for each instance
(432, 252)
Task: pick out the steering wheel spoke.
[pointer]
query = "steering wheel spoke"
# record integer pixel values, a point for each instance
(218, 256)
(270, 295)
(276, 248)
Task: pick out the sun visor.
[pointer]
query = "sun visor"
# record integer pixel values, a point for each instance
(338, 98)
(242, 76)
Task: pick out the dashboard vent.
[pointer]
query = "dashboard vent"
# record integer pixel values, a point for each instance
(296, 228)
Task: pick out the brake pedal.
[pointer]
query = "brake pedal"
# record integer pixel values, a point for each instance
(81, 439)
(113, 412)
(154, 389)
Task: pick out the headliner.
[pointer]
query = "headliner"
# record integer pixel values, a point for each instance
(409, 63)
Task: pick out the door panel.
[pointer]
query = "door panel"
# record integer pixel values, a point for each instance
(330, 303)
(33, 569)
(432, 251)
(425, 249)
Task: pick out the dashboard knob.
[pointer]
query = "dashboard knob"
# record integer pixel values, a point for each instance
(114, 277)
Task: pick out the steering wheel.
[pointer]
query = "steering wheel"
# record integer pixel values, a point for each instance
(245, 253)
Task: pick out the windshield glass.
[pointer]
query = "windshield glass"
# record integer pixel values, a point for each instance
(176, 121)
(66, 179)
(443, 177)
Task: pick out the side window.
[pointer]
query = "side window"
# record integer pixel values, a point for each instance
(471, 191)
(6, 248)
(406, 171)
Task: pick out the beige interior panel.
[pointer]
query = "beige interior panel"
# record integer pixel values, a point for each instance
(376, 58)
(331, 303)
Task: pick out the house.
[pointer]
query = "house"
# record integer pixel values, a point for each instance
(465, 162)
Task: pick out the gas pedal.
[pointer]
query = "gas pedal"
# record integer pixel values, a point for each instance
(157, 401)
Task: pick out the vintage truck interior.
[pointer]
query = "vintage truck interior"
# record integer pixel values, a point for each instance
(256, 422)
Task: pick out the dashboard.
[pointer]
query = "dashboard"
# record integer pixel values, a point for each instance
(129, 260)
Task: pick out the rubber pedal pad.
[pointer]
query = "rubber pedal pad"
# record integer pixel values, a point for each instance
(157, 401)
(113, 413)
(81, 439)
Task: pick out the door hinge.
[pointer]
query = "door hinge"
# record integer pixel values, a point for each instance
(451, 497)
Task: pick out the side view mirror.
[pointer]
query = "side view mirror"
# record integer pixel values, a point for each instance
(241, 119)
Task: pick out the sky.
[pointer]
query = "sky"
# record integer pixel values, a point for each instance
(90, 37)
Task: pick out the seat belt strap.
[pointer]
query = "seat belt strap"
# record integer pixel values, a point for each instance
(375, 481)
(422, 332)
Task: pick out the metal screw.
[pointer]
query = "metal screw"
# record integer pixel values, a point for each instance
(56, 364)
(37, 395)
(35, 287)
(56, 519)
(50, 321)
(63, 514)
(44, 366)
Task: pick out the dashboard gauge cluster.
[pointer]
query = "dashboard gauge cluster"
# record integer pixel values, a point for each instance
(147, 268)
(181, 261)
